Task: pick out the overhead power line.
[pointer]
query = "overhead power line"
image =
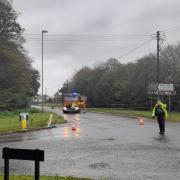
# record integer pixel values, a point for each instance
(90, 35)
(171, 31)
(173, 28)
(72, 37)
(84, 40)
(134, 49)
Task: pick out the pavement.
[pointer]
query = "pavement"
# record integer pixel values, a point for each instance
(101, 147)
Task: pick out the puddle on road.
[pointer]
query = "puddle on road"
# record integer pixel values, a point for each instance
(161, 138)
(73, 129)
(109, 139)
(69, 133)
(100, 165)
(63, 131)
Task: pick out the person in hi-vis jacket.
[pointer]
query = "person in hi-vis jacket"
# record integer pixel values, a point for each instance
(160, 112)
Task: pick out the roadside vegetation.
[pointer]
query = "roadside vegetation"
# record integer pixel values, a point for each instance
(53, 105)
(173, 116)
(10, 121)
(44, 178)
(116, 85)
(19, 81)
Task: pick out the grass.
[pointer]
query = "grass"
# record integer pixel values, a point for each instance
(44, 178)
(51, 105)
(173, 116)
(9, 121)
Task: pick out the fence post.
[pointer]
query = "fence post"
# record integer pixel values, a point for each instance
(22, 154)
(36, 170)
(6, 164)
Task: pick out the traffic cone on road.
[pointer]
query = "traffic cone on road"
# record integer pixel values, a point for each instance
(141, 121)
(73, 127)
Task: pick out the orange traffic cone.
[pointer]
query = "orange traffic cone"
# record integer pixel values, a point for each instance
(141, 121)
(73, 127)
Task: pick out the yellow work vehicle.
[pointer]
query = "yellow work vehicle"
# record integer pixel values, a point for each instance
(74, 103)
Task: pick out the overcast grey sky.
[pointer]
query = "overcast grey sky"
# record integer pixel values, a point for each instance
(108, 18)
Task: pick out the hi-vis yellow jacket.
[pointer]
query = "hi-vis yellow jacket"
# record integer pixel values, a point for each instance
(164, 106)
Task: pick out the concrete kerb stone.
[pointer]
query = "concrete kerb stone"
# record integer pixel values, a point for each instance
(135, 117)
(28, 130)
(123, 115)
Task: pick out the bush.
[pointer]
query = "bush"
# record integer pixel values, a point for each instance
(34, 110)
(11, 100)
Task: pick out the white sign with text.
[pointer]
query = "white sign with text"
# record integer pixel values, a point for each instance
(166, 87)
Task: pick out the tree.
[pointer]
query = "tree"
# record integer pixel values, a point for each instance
(10, 30)
(112, 84)
(18, 79)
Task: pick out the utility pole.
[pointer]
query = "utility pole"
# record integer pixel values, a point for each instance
(42, 75)
(158, 49)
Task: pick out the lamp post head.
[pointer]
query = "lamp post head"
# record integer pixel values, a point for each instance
(44, 31)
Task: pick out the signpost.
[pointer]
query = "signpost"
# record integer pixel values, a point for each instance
(163, 90)
(167, 90)
(22, 154)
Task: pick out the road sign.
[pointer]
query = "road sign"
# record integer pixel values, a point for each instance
(167, 93)
(166, 87)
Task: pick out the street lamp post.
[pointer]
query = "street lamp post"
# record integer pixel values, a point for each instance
(43, 31)
(158, 39)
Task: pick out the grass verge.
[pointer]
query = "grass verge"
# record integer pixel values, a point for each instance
(173, 116)
(44, 178)
(9, 121)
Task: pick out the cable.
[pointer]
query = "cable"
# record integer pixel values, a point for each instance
(171, 28)
(86, 35)
(82, 37)
(84, 40)
(88, 38)
(171, 31)
(132, 50)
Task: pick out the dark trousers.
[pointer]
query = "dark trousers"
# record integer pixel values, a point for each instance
(161, 122)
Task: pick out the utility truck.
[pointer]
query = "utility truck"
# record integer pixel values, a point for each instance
(74, 103)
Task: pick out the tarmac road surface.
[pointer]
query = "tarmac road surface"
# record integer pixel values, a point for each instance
(101, 147)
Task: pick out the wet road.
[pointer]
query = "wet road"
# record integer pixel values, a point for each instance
(102, 147)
